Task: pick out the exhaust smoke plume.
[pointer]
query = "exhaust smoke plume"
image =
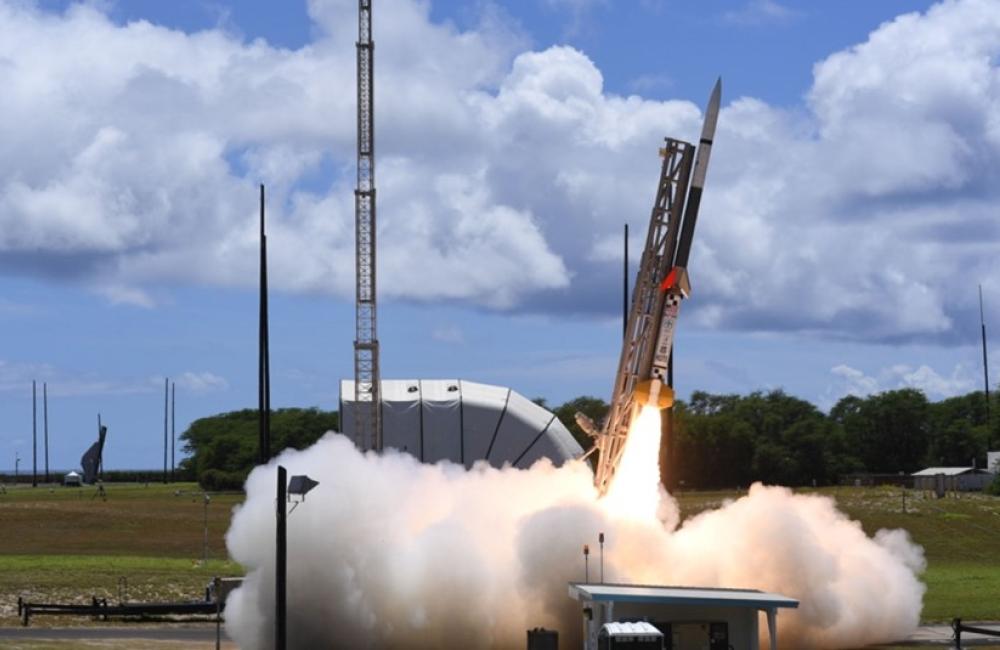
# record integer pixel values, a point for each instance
(388, 552)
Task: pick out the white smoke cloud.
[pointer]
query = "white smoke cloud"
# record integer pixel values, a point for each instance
(388, 552)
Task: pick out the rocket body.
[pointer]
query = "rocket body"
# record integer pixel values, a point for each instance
(653, 390)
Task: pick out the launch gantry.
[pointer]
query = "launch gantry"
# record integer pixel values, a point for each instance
(367, 421)
(643, 376)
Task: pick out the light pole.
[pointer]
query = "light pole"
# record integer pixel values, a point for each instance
(204, 559)
(17, 464)
(299, 485)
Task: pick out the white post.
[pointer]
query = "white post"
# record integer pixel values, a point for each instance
(772, 627)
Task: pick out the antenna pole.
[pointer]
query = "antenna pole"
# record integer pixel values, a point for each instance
(263, 351)
(173, 429)
(34, 437)
(986, 368)
(45, 419)
(166, 411)
(100, 463)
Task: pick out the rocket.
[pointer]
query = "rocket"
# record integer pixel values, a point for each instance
(651, 388)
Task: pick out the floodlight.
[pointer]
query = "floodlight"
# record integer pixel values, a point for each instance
(301, 485)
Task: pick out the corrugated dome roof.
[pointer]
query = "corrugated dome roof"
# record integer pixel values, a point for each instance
(464, 421)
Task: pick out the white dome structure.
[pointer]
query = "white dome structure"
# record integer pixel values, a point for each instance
(464, 422)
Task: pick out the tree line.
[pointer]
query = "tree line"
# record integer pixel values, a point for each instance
(725, 441)
(717, 441)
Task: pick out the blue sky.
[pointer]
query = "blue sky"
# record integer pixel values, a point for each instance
(848, 213)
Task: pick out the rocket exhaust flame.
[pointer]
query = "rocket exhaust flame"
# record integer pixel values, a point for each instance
(636, 492)
(389, 552)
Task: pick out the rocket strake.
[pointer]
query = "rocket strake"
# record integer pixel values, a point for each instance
(661, 285)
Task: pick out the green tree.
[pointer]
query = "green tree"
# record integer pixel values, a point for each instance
(222, 449)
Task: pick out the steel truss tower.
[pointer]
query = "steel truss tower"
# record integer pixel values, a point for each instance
(367, 421)
(647, 300)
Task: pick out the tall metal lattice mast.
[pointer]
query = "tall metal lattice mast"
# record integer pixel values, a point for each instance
(367, 423)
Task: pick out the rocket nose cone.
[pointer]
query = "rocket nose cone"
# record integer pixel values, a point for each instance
(716, 98)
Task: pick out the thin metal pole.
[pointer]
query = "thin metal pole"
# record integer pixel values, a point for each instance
(100, 464)
(204, 560)
(281, 557)
(600, 538)
(34, 437)
(263, 352)
(986, 369)
(45, 416)
(173, 430)
(625, 290)
(166, 398)
(218, 613)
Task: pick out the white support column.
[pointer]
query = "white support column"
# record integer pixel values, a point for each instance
(772, 627)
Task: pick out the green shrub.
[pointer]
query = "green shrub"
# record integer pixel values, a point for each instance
(994, 487)
(217, 480)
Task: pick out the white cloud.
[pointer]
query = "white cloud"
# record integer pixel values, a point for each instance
(758, 12)
(201, 382)
(16, 377)
(504, 175)
(851, 381)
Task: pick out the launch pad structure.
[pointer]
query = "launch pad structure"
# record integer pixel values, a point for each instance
(644, 374)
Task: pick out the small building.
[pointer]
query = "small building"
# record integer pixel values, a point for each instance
(72, 479)
(690, 618)
(951, 479)
(993, 461)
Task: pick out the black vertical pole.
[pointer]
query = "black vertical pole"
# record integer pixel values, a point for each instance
(34, 436)
(166, 397)
(263, 361)
(45, 419)
(100, 466)
(986, 369)
(625, 289)
(173, 429)
(280, 567)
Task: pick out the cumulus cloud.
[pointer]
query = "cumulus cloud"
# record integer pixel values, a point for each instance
(851, 381)
(503, 174)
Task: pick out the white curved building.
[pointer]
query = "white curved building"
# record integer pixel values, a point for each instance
(464, 421)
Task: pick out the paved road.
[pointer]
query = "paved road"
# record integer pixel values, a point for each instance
(199, 634)
(931, 635)
(943, 636)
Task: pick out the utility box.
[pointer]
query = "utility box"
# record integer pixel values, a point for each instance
(629, 636)
(542, 639)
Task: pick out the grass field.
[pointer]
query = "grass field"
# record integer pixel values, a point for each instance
(61, 545)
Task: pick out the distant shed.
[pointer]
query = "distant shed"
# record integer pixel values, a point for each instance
(73, 479)
(993, 461)
(952, 479)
